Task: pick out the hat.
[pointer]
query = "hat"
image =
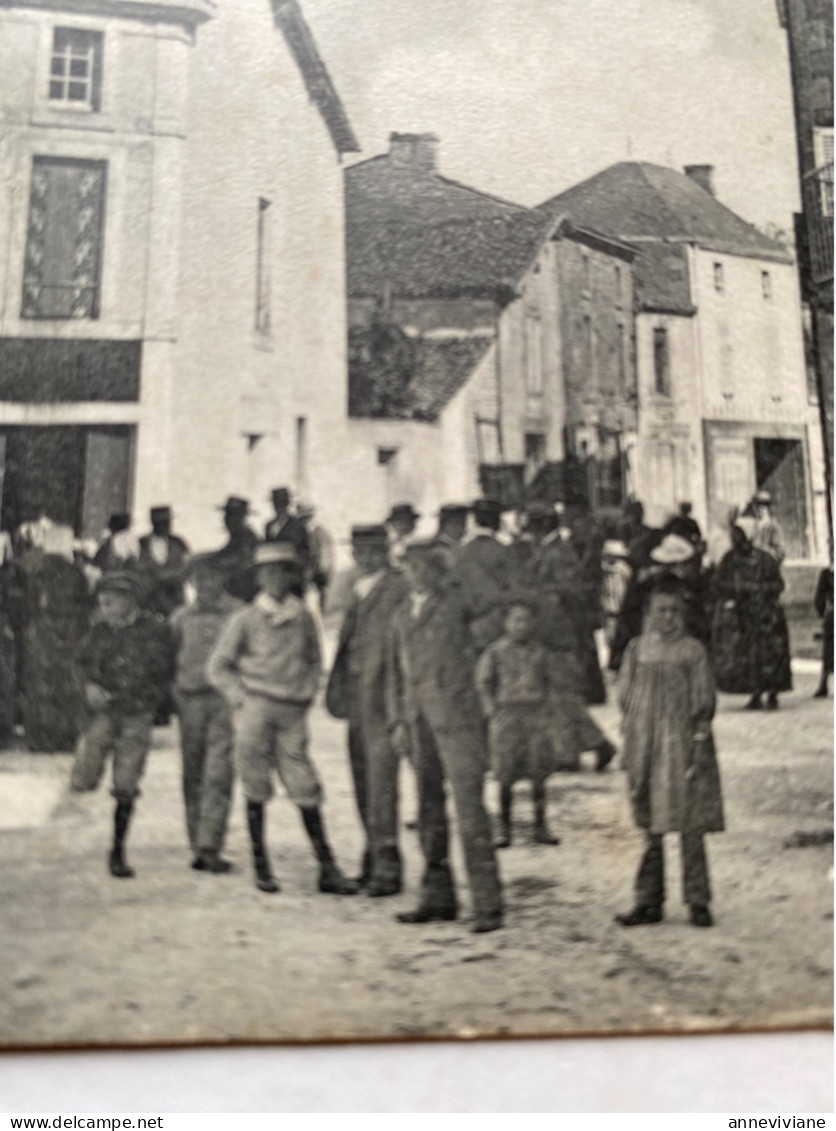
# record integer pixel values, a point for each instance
(763, 497)
(402, 510)
(235, 503)
(120, 581)
(272, 553)
(489, 506)
(672, 550)
(160, 512)
(118, 522)
(305, 510)
(612, 548)
(370, 535)
(280, 493)
(454, 510)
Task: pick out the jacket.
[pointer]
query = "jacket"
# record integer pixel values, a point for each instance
(431, 664)
(133, 664)
(483, 569)
(359, 668)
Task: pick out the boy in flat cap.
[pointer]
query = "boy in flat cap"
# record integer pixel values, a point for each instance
(356, 692)
(267, 665)
(205, 725)
(127, 663)
(432, 707)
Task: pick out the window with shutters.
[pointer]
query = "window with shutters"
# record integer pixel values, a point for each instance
(75, 71)
(62, 264)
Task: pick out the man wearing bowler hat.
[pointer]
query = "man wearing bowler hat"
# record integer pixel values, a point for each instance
(162, 562)
(236, 557)
(127, 662)
(267, 666)
(287, 527)
(483, 569)
(452, 526)
(433, 709)
(401, 524)
(356, 692)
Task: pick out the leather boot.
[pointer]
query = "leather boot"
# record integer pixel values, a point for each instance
(506, 798)
(264, 879)
(210, 860)
(121, 821)
(541, 831)
(331, 879)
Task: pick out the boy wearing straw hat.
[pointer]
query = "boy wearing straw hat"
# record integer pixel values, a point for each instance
(267, 665)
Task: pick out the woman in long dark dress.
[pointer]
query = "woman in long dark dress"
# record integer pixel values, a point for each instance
(56, 605)
(749, 638)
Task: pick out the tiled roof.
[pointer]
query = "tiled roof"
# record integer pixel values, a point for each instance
(437, 368)
(443, 368)
(381, 190)
(477, 258)
(636, 201)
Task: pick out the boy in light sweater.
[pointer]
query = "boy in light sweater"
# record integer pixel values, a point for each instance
(267, 665)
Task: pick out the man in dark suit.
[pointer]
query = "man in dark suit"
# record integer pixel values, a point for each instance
(286, 527)
(484, 571)
(356, 692)
(452, 525)
(237, 558)
(433, 709)
(162, 562)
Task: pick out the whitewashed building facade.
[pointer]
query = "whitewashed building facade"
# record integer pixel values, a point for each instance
(172, 291)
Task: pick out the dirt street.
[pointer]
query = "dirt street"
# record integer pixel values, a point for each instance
(179, 956)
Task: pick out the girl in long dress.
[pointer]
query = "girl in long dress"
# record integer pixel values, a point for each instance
(666, 693)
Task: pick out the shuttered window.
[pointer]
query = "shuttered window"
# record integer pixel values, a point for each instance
(62, 266)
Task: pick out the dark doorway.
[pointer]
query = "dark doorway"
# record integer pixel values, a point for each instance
(75, 475)
(779, 469)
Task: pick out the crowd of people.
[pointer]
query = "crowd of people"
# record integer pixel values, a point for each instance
(471, 650)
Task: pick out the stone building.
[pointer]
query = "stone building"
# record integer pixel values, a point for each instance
(172, 312)
(473, 324)
(723, 406)
(809, 26)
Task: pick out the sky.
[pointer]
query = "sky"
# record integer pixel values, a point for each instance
(529, 97)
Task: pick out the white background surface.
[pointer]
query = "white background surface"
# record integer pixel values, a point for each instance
(748, 1074)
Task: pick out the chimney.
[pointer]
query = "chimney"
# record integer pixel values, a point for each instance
(703, 175)
(413, 151)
